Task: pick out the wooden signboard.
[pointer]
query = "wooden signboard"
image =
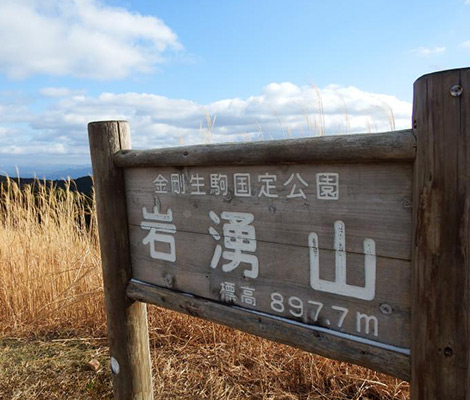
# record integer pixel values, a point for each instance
(352, 247)
(326, 247)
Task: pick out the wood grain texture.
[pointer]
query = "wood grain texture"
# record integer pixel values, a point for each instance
(300, 336)
(441, 258)
(127, 319)
(389, 146)
(374, 202)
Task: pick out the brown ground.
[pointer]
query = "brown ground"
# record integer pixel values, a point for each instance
(192, 359)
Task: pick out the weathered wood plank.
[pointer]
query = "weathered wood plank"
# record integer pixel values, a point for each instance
(311, 338)
(285, 270)
(441, 259)
(374, 201)
(127, 319)
(389, 146)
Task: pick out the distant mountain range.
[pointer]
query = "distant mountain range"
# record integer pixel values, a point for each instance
(56, 173)
(83, 184)
(73, 173)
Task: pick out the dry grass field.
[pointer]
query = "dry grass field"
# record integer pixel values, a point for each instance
(52, 324)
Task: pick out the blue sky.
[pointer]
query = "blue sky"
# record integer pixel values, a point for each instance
(257, 69)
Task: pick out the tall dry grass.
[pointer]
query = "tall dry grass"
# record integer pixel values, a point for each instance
(50, 284)
(49, 260)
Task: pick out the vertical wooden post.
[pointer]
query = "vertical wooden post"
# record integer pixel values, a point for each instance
(440, 349)
(127, 320)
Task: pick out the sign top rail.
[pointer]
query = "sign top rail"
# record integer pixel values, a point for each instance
(387, 146)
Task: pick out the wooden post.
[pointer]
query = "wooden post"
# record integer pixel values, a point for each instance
(127, 319)
(440, 350)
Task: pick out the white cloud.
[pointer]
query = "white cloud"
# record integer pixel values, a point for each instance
(60, 92)
(280, 110)
(54, 149)
(6, 133)
(82, 38)
(14, 113)
(428, 51)
(466, 44)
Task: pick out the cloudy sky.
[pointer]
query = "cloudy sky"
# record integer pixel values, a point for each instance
(192, 71)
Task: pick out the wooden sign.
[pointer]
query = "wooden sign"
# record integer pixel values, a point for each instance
(325, 246)
(336, 245)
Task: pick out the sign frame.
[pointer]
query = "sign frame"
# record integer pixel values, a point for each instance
(438, 147)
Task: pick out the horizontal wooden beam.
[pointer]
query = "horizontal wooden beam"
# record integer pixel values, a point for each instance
(388, 146)
(318, 340)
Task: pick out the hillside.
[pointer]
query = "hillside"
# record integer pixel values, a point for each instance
(83, 185)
